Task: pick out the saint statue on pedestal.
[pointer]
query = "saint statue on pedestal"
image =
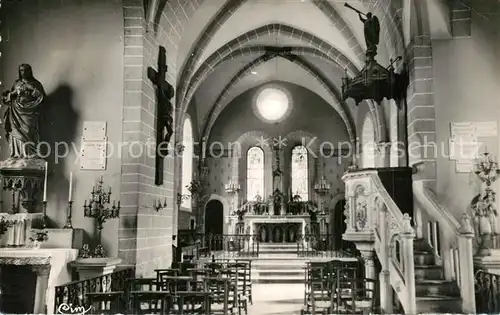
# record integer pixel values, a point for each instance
(21, 117)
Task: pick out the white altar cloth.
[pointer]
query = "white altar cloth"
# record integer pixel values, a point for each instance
(58, 258)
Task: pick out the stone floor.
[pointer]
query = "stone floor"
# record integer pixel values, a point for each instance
(275, 299)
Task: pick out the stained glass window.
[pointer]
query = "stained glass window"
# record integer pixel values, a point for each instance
(187, 161)
(255, 173)
(300, 173)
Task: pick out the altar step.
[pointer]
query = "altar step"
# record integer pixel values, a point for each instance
(278, 263)
(267, 250)
(271, 274)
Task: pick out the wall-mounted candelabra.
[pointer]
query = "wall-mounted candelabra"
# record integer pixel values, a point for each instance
(158, 205)
(484, 205)
(98, 207)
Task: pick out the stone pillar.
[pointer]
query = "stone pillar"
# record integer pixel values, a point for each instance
(421, 125)
(386, 301)
(42, 282)
(369, 269)
(383, 156)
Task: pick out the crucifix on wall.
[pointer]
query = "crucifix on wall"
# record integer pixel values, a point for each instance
(164, 112)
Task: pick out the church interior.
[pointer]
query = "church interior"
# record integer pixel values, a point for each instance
(222, 157)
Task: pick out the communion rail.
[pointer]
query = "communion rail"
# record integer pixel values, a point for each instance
(450, 240)
(73, 294)
(324, 245)
(487, 293)
(223, 246)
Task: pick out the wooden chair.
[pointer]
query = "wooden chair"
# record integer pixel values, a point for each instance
(317, 294)
(166, 272)
(106, 302)
(364, 293)
(191, 303)
(139, 285)
(224, 293)
(151, 302)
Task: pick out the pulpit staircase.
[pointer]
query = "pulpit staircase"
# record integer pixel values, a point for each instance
(426, 261)
(434, 294)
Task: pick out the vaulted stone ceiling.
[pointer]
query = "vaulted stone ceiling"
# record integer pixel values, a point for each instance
(222, 52)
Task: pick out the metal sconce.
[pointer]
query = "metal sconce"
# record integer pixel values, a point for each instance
(158, 205)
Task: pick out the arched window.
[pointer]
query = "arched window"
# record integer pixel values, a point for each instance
(187, 161)
(300, 173)
(255, 173)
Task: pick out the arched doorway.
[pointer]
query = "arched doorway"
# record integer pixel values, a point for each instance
(214, 225)
(214, 218)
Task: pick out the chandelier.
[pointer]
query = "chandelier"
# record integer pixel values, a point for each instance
(322, 186)
(232, 187)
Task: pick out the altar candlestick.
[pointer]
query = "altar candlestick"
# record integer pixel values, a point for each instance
(45, 182)
(70, 186)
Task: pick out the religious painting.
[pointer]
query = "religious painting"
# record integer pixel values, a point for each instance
(300, 173)
(255, 173)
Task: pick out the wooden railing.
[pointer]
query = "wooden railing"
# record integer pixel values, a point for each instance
(450, 240)
(487, 293)
(324, 245)
(73, 294)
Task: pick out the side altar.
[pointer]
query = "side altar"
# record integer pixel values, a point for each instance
(34, 252)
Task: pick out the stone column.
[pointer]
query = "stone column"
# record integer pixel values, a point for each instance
(383, 156)
(386, 301)
(42, 282)
(369, 269)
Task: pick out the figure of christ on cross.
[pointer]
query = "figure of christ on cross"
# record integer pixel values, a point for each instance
(164, 112)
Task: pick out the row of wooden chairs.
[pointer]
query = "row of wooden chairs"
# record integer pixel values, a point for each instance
(338, 287)
(218, 287)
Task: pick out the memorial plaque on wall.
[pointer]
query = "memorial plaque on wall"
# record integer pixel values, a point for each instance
(463, 130)
(93, 155)
(94, 130)
(464, 149)
(93, 151)
(474, 129)
(486, 129)
(464, 166)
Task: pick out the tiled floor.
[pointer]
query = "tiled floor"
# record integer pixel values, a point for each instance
(276, 299)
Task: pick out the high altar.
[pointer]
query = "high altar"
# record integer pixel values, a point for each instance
(282, 218)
